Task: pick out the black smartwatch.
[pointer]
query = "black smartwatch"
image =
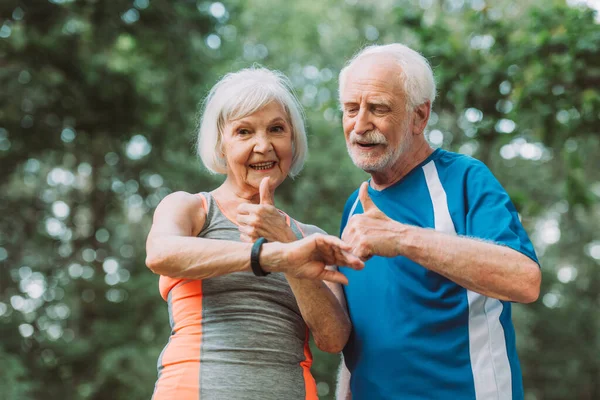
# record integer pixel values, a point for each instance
(254, 255)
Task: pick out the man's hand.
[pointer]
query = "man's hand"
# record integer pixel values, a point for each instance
(372, 233)
(309, 257)
(263, 220)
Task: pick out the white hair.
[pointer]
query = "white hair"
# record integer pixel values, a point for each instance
(242, 93)
(416, 75)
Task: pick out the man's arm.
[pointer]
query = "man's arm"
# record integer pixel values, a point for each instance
(487, 268)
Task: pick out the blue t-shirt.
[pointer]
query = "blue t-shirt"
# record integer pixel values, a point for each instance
(416, 334)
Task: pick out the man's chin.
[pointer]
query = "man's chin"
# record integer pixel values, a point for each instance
(368, 166)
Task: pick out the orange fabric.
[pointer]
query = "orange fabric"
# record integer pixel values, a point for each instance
(180, 376)
(310, 385)
(300, 229)
(204, 202)
(165, 283)
(309, 381)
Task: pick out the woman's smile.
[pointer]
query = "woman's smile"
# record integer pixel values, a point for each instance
(264, 166)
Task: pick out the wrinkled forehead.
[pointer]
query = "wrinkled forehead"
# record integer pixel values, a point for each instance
(372, 76)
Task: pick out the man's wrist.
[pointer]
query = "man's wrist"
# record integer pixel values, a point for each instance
(404, 236)
(407, 238)
(272, 257)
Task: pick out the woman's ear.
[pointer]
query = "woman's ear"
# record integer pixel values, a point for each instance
(221, 154)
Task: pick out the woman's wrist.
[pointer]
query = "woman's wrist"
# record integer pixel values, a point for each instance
(272, 257)
(291, 236)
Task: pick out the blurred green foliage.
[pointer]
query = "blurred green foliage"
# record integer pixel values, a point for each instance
(98, 104)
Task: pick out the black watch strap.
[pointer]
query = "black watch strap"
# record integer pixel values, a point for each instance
(254, 255)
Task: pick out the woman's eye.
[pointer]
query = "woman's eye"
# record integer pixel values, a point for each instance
(277, 129)
(243, 131)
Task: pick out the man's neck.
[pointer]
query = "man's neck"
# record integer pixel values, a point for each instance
(405, 163)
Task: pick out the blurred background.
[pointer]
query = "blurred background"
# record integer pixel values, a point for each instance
(98, 110)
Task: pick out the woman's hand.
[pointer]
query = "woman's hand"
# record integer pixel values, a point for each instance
(309, 257)
(263, 220)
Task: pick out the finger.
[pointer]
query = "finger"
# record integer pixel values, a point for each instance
(244, 219)
(266, 196)
(346, 235)
(244, 208)
(249, 230)
(333, 276)
(365, 199)
(328, 241)
(353, 261)
(346, 258)
(363, 253)
(336, 252)
(349, 231)
(245, 238)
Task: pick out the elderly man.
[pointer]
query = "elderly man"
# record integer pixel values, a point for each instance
(446, 252)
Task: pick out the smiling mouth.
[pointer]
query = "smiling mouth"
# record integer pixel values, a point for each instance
(367, 145)
(263, 165)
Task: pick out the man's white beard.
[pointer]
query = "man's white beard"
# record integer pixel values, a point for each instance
(374, 164)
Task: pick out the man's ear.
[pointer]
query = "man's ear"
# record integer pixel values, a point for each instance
(421, 117)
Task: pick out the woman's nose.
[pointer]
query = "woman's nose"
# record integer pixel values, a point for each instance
(263, 144)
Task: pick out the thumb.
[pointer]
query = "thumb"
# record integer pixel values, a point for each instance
(266, 197)
(333, 276)
(365, 199)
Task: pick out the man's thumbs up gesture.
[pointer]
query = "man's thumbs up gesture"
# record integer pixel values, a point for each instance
(263, 220)
(372, 233)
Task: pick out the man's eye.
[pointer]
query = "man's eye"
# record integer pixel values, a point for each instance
(351, 110)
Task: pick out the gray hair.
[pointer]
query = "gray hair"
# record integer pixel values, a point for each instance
(238, 95)
(416, 75)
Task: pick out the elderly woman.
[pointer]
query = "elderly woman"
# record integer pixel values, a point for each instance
(240, 306)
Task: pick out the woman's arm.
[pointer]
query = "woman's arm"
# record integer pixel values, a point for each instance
(321, 304)
(174, 250)
(323, 307)
(322, 310)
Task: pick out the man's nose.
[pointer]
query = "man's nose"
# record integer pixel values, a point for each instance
(362, 123)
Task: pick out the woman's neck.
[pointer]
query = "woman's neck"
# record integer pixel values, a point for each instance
(230, 195)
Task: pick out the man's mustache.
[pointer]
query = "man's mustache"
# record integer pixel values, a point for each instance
(370, 137)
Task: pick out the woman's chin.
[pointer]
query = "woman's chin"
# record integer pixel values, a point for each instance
(265, 172)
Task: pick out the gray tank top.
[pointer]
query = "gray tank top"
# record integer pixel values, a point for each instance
(248, 331)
